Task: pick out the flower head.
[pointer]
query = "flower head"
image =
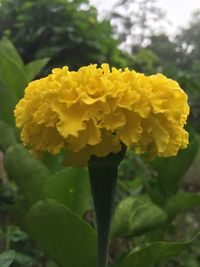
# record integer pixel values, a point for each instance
(94, 110)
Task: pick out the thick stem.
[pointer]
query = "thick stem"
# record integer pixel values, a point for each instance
(103, 177)
(103, 184)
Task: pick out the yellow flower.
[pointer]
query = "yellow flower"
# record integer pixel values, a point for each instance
(94, 110)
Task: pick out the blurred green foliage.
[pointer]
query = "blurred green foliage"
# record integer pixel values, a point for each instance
(136, 21)
(66, 31)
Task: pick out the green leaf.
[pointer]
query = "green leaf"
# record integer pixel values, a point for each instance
(29, 173)
(8, 101)
(54, 162)
(135, 216)
(23, 260)
(64, 236)
(171, 170)
(153, 254)
(11, 51)
(34, 67)
(6, 258)
(70, 187)
(12, 74)
(181, 202)
(7, 136)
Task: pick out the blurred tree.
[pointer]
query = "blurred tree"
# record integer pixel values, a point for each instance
(188, 42)
(180, 60)
(67, 31)
(136, 21)
(144, 60)
(188, 45)
(165, 49)
(160, 55)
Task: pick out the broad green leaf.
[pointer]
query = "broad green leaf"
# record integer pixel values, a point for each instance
(64, 236)
(23, 260)
(11, 51)
(70, 187)
(181, 202)
(50, 263)
(34, 67)
(153, 254)
(54, 162)
(29, 173)
(8, 101)
(6, 258)
(135, 216)
(171, 170)
(188, 260)
(12, 74)
(7, 136)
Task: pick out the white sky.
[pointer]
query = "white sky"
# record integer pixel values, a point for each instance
(178, 11)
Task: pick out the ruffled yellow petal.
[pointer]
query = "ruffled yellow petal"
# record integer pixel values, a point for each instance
(71, 119)
(78, 159)
(130, 133)
(91, 136)
(94, 110)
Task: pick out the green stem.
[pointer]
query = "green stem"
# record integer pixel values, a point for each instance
(103, 177)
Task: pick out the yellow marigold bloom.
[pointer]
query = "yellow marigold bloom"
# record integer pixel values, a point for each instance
(94, 110)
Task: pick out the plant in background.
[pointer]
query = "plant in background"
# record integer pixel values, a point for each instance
(14, 77)
(93, 115)
(66, 31)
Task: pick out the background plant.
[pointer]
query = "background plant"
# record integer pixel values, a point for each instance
(66, 31)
